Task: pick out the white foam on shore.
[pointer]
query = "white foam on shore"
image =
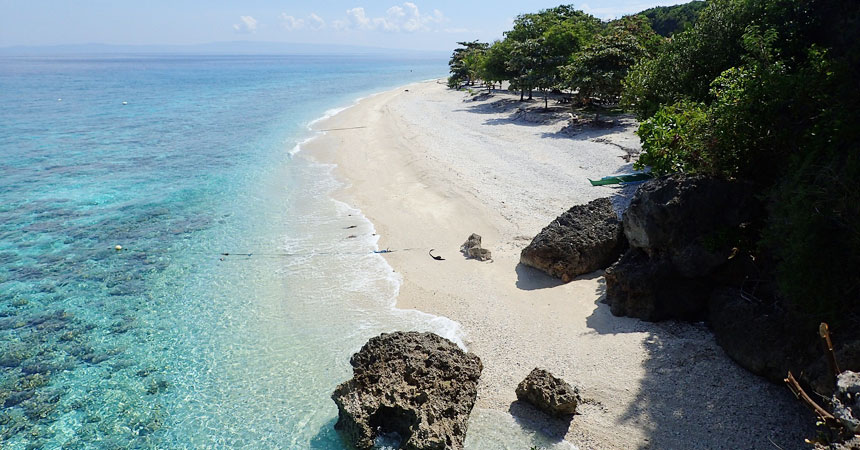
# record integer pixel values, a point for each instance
(417, 320)
(440, 325)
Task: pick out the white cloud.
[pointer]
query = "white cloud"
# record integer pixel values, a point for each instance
(315, 22)
(248, 24)
(406, 17)
(312, 22)
(291, 23)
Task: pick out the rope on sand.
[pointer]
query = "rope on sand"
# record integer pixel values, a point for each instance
(341, 129)
(223, 255)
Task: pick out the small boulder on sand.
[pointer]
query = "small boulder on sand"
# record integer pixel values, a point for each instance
(473, 250)
(548, 393)
(584, 239)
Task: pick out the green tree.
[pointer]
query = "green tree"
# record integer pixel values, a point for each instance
(541, 43)
(600, 68)
(493, 66)
(464, 62)
(668, 20)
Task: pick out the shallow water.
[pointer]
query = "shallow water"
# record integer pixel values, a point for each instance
(170, 343)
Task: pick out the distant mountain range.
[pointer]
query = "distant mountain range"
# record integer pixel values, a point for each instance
(214, 48)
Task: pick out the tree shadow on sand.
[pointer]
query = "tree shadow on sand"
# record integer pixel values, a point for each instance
(693, 396)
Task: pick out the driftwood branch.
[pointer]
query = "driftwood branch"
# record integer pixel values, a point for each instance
(798, 392)
(824, 332)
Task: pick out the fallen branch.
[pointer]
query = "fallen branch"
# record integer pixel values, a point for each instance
(822, 413)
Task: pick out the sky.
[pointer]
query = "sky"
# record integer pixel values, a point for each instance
(414, 25)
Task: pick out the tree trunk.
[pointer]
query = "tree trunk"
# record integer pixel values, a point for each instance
(530, 93)
(522, 93)
(546, 100)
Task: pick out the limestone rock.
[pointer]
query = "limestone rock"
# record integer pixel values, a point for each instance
(846, 400)
(549, 394)
(691, 221)
(638, 286)
(682, 231)
(416, 386)
(851, 444)
(584, 239)
(472, 249)
(756, 338)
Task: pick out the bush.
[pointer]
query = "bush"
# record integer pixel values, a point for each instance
(675, 139)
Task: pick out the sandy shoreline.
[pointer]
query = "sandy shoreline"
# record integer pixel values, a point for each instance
(431, 166)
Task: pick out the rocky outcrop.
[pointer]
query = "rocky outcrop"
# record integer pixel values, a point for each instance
(637, 286)
(549, 394)
(692, 222)
(846, 401)
(472, 249)
(683, 232)
(416, 387)
(757, 337)
(584, 239)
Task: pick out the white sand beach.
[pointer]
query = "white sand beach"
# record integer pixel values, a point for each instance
(431, 166)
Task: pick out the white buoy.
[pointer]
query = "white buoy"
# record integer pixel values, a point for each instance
(118, 247)
(124, 103)
(59, 99)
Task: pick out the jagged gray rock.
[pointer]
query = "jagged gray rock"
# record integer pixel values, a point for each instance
(846, 400)
(637, 286)
(584, 239)
(418, 386)
(472, 249)
(682, 231)
(692, 221)
(755, 336)
(548, 393)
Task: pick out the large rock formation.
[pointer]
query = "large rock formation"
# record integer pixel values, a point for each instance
(690, 221)
(683, 232)
(418, 387)
(758, 337)
(549, 394)
(584, 239)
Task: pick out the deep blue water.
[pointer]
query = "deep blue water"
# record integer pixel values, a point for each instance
(167, 343)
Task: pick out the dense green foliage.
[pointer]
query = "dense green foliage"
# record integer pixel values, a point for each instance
(558, 48)
(776, 101)
(597, 71)
(667, 20)
(464, 63)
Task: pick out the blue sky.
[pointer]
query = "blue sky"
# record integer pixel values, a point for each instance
(420, 25)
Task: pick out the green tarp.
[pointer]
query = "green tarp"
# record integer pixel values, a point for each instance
(618, 179)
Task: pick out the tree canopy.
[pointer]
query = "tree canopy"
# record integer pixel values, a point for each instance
(668, 20)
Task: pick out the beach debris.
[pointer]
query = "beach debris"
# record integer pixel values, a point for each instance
(351, 227)
(416, 389)
(118, 247)
(472, 249)
(437, 258)
(585, 238)
(548, 393)
(124, 103)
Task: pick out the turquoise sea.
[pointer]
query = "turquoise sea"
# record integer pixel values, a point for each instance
(169, 343)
